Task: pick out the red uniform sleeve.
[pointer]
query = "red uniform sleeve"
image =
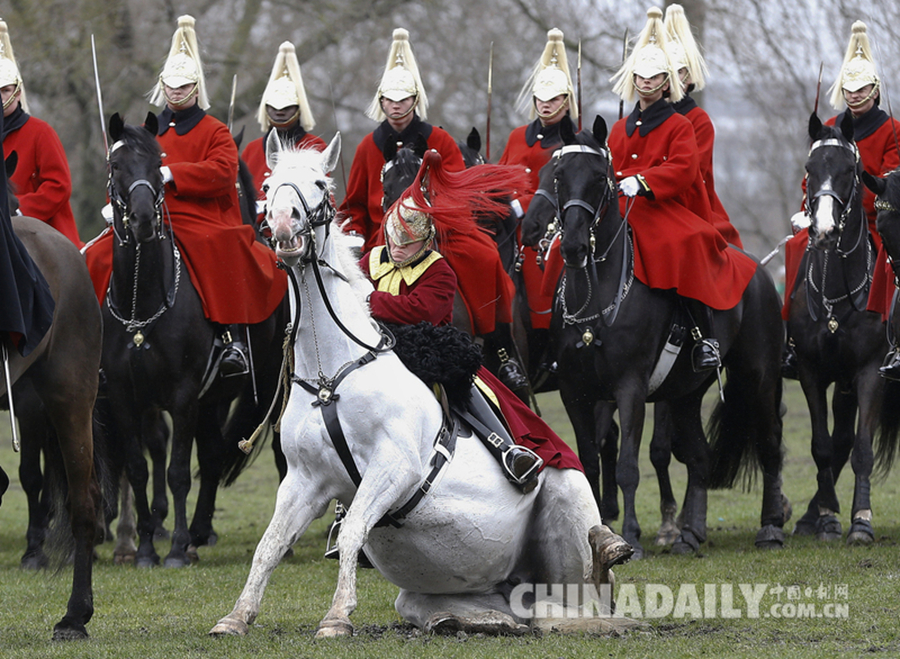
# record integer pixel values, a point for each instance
(214, 174)
(54, 181)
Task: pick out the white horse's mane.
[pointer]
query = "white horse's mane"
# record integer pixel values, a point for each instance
(293, 164)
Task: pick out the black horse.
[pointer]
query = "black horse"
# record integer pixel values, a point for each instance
(837, 341)
(609, 330)
(58, 381)
(157, 354)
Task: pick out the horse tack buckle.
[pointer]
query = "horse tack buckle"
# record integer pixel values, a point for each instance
(326, 395)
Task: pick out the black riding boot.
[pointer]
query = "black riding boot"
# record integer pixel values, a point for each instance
(520, 465)
(705, 353)
(890, 369)
(509, 371)
(789, 368)
(234, 359)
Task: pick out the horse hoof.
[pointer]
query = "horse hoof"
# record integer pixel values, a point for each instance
(229, 626)
(123, 559)
(146, 561)
(66, 633)
(861, 533)
(806, 525)
(192, 554)
(687, 543)
(334, 629)
(609, 548)
(490, 623)
(177, 561)
(666, 537)
(36, 561)
(770, 537)
(828, 528)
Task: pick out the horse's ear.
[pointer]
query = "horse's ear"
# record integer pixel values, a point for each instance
(116, 127)
(874, 183)
(815, 125)
(567, 131)
(599, 129)
(151, 123)
(239, 137)
(473, 140)
(847, 126)
(333, 152)
(10, 165)
(273, 149)
(420, 145)
(389, 150)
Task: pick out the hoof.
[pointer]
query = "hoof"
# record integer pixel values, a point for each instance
(334, 629)
(146, 561)
(609, 548)
(687, 543)
(123, 559)
(490, 623)
(67, 633)
(192, 554)
(770, 537)
(34, 561)
(828, 528)
(177, 561)
(805, 526)
(861, 533)
(666, 536)
(229, 626)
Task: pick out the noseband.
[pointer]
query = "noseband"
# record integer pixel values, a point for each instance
(321, 215)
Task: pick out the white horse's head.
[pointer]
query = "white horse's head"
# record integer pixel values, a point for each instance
(298, 195)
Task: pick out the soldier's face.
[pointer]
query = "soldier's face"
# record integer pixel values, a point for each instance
(7, 92)
(283, 116)
(399, 253)
(181, 98)
(862, 100)
(551, 111)
(397, 109)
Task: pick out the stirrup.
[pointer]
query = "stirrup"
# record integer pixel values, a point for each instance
(510, 372)
(705, 355)
(233, 360)
(890, 369)
(522, 465)
(331, 548)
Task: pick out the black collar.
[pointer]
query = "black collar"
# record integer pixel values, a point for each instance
(650, 118)
(548, 135)
(15, 121)
(385, 132)
(182, 120)
(685, 105)
(865, 125)
(292, 135)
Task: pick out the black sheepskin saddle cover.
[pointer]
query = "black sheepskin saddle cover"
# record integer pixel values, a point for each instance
(439, 355)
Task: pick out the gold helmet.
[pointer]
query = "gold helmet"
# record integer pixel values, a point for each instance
(401, 78)
(183, 66)
(858, 69)
(683, 49)
(285, 88)
(550, 77)
(648, 58)
(405, 224)
(9, 70)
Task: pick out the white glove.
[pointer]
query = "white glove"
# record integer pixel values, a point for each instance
(107, 213)
(260, 206)
(516, 206)
(166, 174)
(629, 186)
(799, 220)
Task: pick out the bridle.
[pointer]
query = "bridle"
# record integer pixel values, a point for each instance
(846, 206)
(123, 204)
(596, 213)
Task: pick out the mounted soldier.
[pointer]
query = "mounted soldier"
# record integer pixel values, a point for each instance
(400, 104)
(42, 182)
(199, 169)
(692, 73)
(657, 166)
(547, 96)
(284, 108)
(856, 90)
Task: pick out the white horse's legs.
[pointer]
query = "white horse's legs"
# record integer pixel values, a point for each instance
(297, 505)
(379, 491)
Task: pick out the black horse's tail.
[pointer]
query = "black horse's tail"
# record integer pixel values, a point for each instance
(887, 437)
(739, 430)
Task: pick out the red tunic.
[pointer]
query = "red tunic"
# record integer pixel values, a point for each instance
(254, 156)
(879, 155)
(234, 274)
(43, 184)
(705, 134)
(532, 158)
(364, 190)
(675, 248)
(432, 298)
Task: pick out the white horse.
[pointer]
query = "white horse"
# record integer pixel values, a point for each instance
(459, 553)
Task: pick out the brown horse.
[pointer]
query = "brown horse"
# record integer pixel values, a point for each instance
(62, 372)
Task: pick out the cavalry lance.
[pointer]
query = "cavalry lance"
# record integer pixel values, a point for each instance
(578, 76)
(487, 151)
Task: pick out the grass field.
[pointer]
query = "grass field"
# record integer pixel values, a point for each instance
(166, 614)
